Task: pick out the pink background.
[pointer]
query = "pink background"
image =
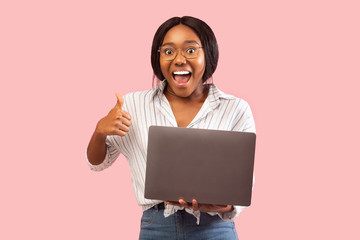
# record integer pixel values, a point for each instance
(295, 62)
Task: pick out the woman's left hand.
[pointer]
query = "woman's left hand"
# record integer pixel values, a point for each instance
(202, 207)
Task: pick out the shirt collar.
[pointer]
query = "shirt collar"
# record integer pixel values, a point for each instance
(160, 87)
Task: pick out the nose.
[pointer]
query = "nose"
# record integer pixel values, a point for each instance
(179, 58)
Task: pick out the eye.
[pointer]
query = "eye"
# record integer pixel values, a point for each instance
(168, 51)
(191, 50)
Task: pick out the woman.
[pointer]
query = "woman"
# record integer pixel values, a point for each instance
(184, 56)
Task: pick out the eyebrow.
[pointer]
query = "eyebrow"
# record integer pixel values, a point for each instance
(187, 41)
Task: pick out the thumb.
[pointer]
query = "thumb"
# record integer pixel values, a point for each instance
(120, 100)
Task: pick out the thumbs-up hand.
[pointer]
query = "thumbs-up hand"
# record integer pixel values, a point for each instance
(117, 122)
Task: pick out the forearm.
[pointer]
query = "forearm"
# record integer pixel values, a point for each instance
(96, 150)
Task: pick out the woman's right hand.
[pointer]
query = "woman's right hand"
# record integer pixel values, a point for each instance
(117, 122)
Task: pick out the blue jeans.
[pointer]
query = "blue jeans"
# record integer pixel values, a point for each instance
(182, 225)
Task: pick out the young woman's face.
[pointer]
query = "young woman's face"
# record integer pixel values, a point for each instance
(175, 71)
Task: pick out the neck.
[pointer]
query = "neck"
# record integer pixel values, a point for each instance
(199, 95)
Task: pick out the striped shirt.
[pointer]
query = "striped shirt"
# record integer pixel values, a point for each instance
(219, 111)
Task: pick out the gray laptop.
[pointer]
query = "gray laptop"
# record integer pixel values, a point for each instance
(212, 166)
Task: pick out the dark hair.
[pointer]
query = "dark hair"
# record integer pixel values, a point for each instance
(203, 31)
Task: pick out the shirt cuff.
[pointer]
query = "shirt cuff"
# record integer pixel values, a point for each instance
(105, 164)
(230, 216)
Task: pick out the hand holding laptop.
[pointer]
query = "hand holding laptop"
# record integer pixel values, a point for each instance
(202, 207)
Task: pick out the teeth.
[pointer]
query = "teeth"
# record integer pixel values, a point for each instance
(181, 72)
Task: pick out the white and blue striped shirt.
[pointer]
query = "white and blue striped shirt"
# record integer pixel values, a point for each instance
(219, 111)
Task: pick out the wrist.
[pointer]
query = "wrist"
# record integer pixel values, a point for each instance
(227, 209)
(99, 136)
(230, 208)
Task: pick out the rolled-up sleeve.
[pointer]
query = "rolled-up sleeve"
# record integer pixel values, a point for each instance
(230, 216)
(112, 153)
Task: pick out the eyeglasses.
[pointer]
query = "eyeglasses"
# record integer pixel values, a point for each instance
(169, 53)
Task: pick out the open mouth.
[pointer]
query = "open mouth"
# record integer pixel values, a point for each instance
(181, 77)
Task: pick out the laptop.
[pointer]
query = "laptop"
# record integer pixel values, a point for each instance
(212, 166)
